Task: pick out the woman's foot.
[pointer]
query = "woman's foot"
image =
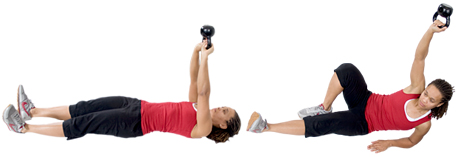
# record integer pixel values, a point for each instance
(13, 120)
(24, 104)
(313, 111)
(257, 124)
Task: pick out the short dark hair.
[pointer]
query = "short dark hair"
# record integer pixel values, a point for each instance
(446, 91)
(222, 135)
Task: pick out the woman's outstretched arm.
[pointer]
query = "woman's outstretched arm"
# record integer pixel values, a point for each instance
(204, 121)
(417, 77)
(415, 138)
(194, 73)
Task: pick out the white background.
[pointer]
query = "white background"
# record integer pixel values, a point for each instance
(272, 57)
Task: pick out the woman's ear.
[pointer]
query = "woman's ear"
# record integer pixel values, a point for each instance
(440, 104)
(223, 126)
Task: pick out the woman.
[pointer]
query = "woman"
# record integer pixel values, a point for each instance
(129, 117)
(412, 107)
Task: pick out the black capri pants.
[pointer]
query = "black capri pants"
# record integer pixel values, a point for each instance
(351, 122)
(118, 116)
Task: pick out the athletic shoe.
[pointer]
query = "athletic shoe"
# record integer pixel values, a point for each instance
(24, 104)
(313, 111)
(12, 119)
(256, 124)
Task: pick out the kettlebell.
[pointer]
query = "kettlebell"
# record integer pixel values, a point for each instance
(445, 11)
(207, 32)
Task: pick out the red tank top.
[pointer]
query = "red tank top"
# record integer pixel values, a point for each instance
(387, 112)
(172, 117)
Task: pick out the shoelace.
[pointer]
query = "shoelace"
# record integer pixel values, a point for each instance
(17, 120)
(30, 104)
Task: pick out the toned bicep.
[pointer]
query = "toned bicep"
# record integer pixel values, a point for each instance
(417, 77)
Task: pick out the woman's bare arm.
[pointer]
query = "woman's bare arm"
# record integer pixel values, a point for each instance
(204, 122)
(194, 72)
(415, 138)
(417, 77)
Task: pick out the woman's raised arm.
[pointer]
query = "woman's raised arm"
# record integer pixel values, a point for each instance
(204, 121)
(417, 77)
(194, 72)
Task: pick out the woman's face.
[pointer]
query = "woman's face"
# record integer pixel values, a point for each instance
(430, 98)
(221, 115)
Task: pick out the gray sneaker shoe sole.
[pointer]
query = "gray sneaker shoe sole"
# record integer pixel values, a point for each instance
(256, 124)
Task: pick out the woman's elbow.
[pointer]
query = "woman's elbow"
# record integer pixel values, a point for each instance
(412, 143)
(205, 92)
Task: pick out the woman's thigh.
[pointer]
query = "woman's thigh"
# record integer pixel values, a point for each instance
(121, 122)
(349, 123)
(355, 88)
(100, 104)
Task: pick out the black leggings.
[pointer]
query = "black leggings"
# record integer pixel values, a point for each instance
(118, 116)
(351, 122)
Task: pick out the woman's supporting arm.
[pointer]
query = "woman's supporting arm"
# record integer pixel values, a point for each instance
(415, 138)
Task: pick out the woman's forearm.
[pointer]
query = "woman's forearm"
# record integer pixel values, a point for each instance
(203, 81)
(194, 71)
(423, 46)
(402, 143)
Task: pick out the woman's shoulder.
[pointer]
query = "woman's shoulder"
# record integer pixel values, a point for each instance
(424, 126)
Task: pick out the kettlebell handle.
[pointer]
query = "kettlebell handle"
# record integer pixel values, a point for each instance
(209, 42)
(447, 23)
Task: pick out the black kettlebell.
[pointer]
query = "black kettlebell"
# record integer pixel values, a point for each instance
(445, 11)
(207, 32)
